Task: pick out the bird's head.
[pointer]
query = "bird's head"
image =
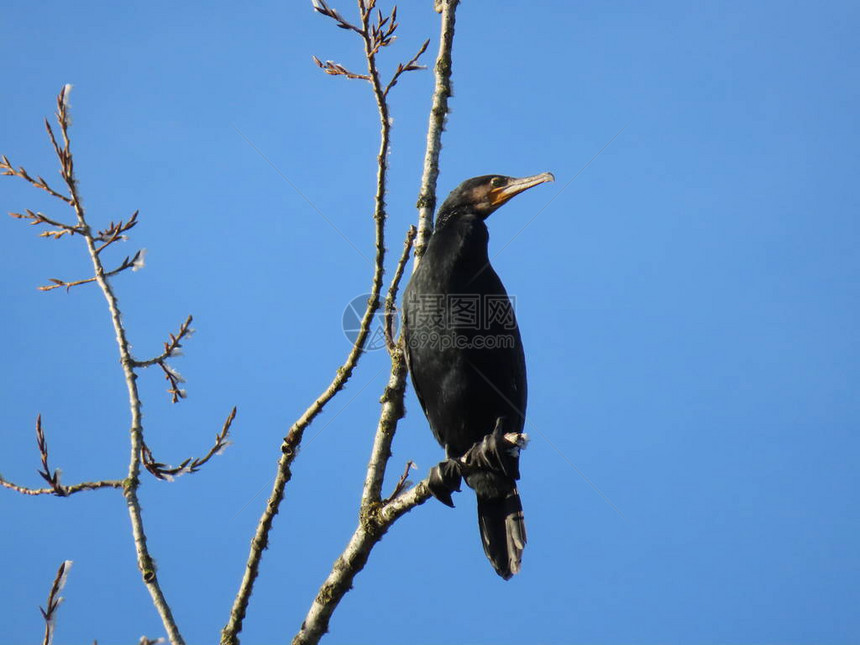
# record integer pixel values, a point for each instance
(483, 195)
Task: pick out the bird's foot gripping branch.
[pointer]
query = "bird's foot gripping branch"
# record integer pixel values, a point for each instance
(497, 452)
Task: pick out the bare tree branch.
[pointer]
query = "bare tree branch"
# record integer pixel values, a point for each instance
(376, 515)
(438, 113)
(370, 528)
(144, 560)
(130, 485)
(292, 441)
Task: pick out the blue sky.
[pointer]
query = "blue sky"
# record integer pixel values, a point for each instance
(688, 302)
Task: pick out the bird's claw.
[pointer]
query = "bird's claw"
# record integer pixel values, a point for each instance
(445, 478)
(497, 452)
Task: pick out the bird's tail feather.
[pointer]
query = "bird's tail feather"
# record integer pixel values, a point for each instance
(503, 532)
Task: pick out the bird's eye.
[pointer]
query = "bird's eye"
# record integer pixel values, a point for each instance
(496, 182)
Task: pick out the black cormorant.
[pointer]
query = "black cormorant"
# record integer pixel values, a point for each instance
(466, 358)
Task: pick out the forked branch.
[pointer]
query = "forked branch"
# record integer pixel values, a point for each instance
(374, 34)
(377, 515)
(52, 477)
(96, 243)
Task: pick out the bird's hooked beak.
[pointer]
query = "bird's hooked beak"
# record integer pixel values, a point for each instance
(500, 195)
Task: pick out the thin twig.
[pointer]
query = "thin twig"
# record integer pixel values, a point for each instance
(175, 379)
(67, 490)
(62, 283)
(402, 484)
(41, 218)
(370, 48)
(410, 66)
(6, 168)
(438, 113)
(54, 600)
(171, 347)
(391, 297)
(134, 262)
(322, 7)
(336, 69)
(53, 478)
(165, 472)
